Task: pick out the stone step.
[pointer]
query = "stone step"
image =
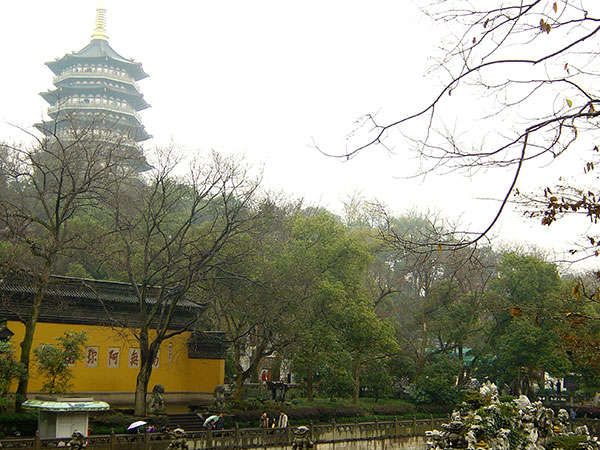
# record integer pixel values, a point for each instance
(189, 421)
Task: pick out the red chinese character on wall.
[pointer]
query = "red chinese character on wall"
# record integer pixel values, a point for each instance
(113, 356)
(91, 359)
(134, 358)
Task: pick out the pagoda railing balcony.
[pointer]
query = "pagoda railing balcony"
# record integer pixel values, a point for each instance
(93, 107)
(102, 75)
(123, 139)
(116, 137)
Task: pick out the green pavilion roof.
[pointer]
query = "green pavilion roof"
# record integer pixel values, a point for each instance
(66, 404)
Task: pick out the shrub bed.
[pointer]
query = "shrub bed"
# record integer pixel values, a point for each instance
(410, 411)
(315, 414)
(566, 442)
(12, 424)
(591, 412)
(395, 410)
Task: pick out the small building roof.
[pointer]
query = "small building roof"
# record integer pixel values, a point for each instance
(58, 404)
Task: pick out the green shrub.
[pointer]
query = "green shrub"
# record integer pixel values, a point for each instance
(394, 410)
(104, 423)
(434, 409)
(566, 442)
(474, 399)
(23, 423)
(304, 415)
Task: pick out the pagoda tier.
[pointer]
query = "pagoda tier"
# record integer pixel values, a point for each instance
(96, 88)
(96, 51)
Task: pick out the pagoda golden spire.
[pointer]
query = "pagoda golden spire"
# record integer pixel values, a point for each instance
(100, 30)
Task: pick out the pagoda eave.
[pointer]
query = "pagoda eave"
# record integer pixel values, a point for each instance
(52, 127)
(136, 100)
(133, 68)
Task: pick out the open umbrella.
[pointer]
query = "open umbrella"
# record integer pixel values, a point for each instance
(137, 424)
(210, 419)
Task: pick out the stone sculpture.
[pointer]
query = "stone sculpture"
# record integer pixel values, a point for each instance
(301, 439)
(157, 402)
(516, 425)
(77, 441)
(178, 440)
(219, 397)
(278, 390)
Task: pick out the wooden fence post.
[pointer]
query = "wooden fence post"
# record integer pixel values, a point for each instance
(333, 429)
(146, 441)
(37, 443)
(111, 440)
(396, 428)
(414, 427)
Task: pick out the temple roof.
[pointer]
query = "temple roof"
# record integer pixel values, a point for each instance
(83, 288)
(93, 53)
(207, 345)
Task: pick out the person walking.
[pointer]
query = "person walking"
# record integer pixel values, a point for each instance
(264, 420)
(220, 423)
(282, 421)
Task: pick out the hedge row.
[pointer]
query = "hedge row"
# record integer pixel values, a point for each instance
(591, 412)
(306, 414)
(410, 410)
(13, 424)
(105, 422)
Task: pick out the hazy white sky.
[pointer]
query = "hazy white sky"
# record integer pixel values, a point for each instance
(263, 79)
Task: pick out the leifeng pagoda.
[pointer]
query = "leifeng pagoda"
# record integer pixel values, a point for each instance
(96, 94)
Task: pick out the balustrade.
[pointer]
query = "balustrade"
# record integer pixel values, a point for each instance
(94, 107)
(104, 75)
(242, 438)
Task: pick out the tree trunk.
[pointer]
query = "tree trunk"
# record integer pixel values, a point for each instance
(141, 387)
(243, 375)
(27, 342)
(239, 385)
(309, 383)
(356, 374)
(276, 369)
(147, 356)
(462, 375)
(423, 350)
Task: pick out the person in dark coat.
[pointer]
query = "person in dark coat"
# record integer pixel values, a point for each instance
(220, 422)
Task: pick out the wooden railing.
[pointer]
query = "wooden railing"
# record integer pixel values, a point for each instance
(242, 438)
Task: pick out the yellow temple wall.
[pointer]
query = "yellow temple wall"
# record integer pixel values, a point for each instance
(173, 369)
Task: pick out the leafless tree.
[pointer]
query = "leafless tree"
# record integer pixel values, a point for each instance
(43, 187)
(518, 83)
(169, 233)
